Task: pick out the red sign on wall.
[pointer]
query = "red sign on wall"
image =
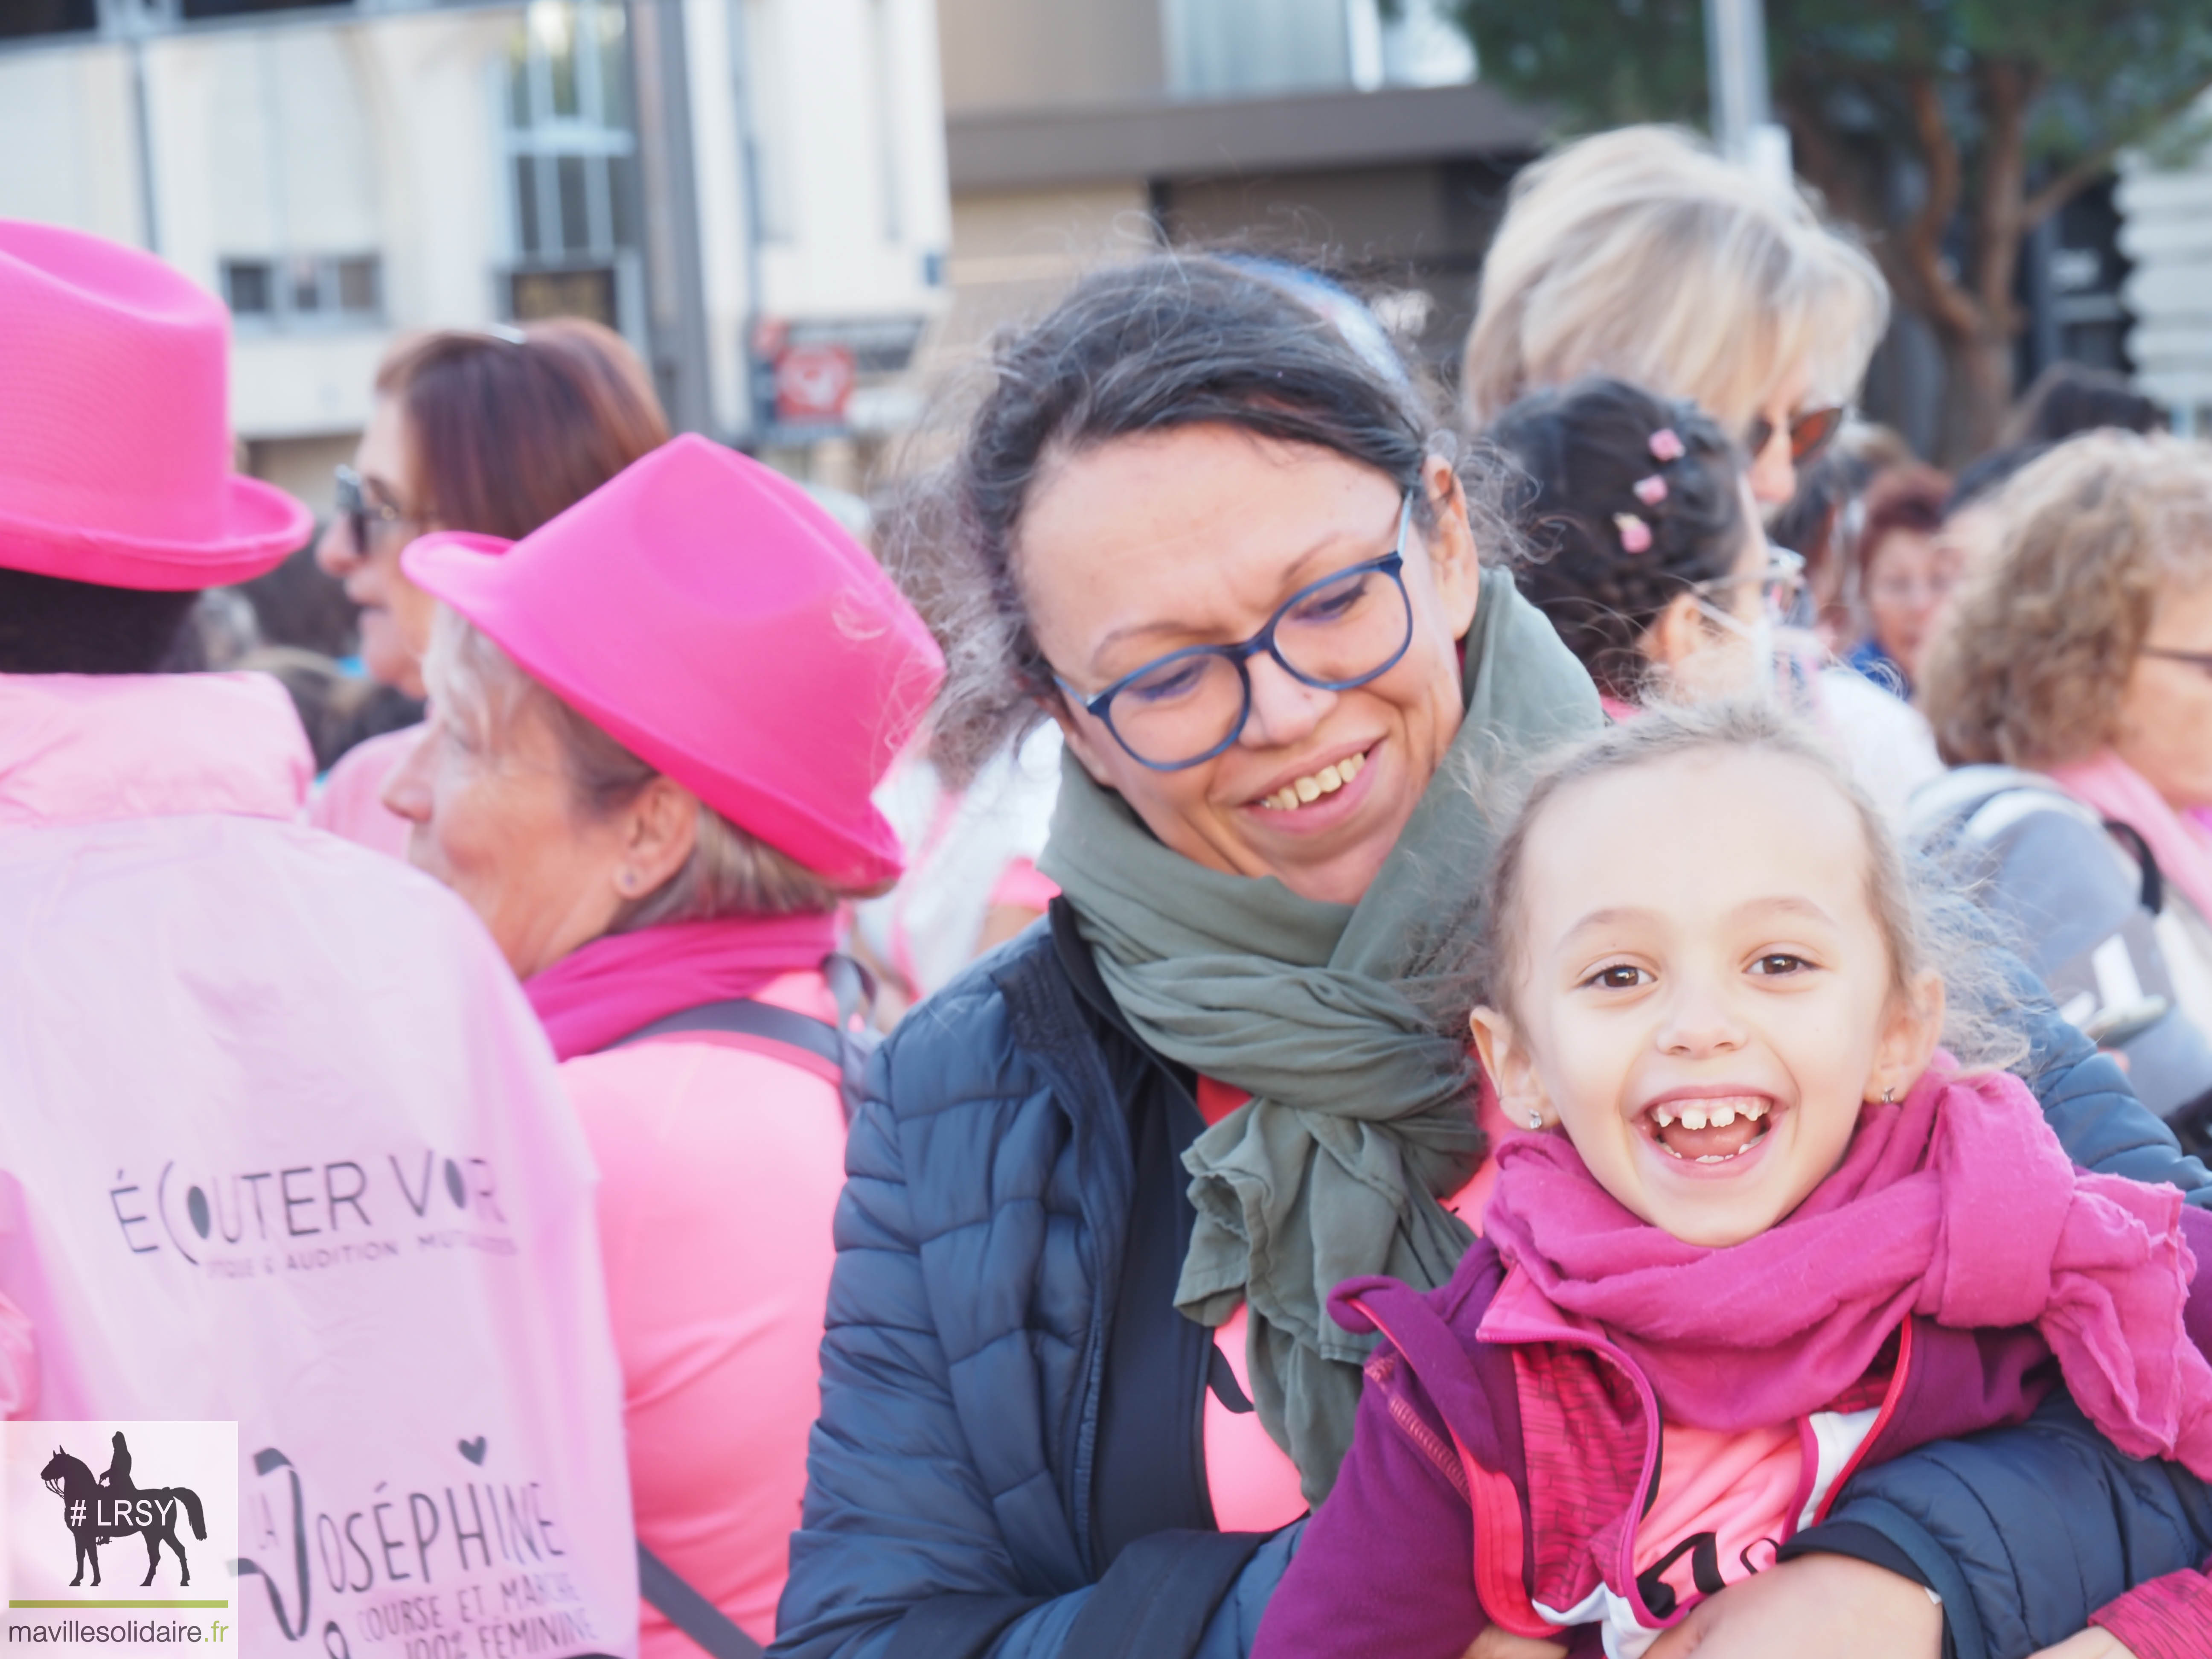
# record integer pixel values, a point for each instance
(813, 384)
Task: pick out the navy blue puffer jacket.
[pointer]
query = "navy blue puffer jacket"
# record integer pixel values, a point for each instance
(957, 1504)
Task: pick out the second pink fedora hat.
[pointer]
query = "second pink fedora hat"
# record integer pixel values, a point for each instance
(714, 619)
(115, 455)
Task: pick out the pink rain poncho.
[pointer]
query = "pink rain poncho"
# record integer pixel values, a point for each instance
(280, 1142)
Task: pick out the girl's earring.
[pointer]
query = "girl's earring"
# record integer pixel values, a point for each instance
(1889, 1096)
(1535, 1119)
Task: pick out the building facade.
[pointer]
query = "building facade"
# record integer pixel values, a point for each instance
(717, 178)
(2165, 201)
(1349, 133)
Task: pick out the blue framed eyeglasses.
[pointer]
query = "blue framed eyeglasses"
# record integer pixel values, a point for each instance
(1336, 634)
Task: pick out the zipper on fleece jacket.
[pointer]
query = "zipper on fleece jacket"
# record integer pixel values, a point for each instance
(1507, 1331)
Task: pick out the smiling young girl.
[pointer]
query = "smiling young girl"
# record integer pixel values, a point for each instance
(1773, 1233)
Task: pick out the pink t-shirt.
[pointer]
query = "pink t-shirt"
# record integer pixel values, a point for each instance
(721, 1160)
(1732, 1488)
(1253, 1482)
(351, 804)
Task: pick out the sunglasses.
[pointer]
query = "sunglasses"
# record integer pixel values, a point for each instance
(1811, 431)
(364, 513)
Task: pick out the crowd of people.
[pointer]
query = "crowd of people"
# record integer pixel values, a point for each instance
(1288, 1021)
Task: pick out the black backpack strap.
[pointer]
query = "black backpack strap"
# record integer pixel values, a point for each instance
(2154, 882)
(743, 1017)
(691, 1612)
(846, 1045)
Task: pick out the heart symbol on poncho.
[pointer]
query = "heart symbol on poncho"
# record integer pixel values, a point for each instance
(473, 1449)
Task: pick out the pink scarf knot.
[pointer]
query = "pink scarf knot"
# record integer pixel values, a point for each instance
(1957, 1204)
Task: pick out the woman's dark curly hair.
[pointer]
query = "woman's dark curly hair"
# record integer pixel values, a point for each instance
(1177, 340)
(1582, 451)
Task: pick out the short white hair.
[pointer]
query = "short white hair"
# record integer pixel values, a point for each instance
(729, 872)
(1639, 253)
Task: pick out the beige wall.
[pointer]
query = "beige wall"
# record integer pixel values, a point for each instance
(66, 135)
(1012, 254)
(1028, 54)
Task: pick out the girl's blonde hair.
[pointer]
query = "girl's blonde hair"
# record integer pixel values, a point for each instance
(2030, 664)
(1927, 921)
(1639, 253)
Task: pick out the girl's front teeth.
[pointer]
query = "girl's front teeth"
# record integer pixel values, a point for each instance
(1311, 787)
(1718, 1114)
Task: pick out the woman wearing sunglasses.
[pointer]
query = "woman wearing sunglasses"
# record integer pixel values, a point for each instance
(2072, 684)
(1077, 1385)
(1640, 253)
(488, 430)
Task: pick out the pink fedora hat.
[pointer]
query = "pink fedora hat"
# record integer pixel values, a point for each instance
(711, 616)
(115, 423)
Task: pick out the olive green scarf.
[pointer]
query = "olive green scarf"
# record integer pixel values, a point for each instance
(1360, 1114)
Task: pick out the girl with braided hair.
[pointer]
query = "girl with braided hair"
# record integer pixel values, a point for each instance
(1645, 548)
(1647, 553)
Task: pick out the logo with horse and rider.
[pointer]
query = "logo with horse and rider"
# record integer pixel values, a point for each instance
(82, 1499)
(113, 1506)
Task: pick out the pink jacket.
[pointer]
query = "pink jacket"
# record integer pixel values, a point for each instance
(721, 1158)
(351, 800)
(280, 1142)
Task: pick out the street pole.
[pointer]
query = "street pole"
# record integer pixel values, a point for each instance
(1736, 67)
(676, 300)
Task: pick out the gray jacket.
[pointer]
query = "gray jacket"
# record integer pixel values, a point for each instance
(2088, 911)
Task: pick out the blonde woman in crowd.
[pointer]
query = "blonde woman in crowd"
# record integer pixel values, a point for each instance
(1640, 255)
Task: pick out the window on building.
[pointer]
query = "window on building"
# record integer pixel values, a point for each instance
(1232, 48)
(571, 164)
(195, 9)
(19, 19)
(1246, 48)
(767, 122)
(326, 290)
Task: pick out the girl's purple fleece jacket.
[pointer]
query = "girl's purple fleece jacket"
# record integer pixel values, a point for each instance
(1492, 1473)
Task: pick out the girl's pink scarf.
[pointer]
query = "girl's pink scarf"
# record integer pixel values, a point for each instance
(601, 992)
(2116, 790)
(1957, 1204)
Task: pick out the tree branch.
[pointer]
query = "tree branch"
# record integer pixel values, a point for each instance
(1949, 306)
(2093, 166)
(2007, 88)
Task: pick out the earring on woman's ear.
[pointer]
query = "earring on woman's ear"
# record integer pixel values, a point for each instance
(1535, 1119)
(626, 881)
(1888, 1095)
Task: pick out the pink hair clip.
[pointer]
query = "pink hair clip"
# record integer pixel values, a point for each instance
(1666, 444)
(1652, 490)
(1634, 534)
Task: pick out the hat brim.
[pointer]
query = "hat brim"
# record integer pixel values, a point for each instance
(260, 526)
(464, 570)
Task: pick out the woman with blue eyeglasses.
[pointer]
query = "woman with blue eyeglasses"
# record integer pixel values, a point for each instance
(1077, 1381)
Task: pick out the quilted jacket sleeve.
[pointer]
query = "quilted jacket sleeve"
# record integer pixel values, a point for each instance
(2026, 1532)
(2086, 1099)
(900, 1550)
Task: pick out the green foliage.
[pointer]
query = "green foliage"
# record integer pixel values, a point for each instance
(2101, 69)
(1597, 63)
